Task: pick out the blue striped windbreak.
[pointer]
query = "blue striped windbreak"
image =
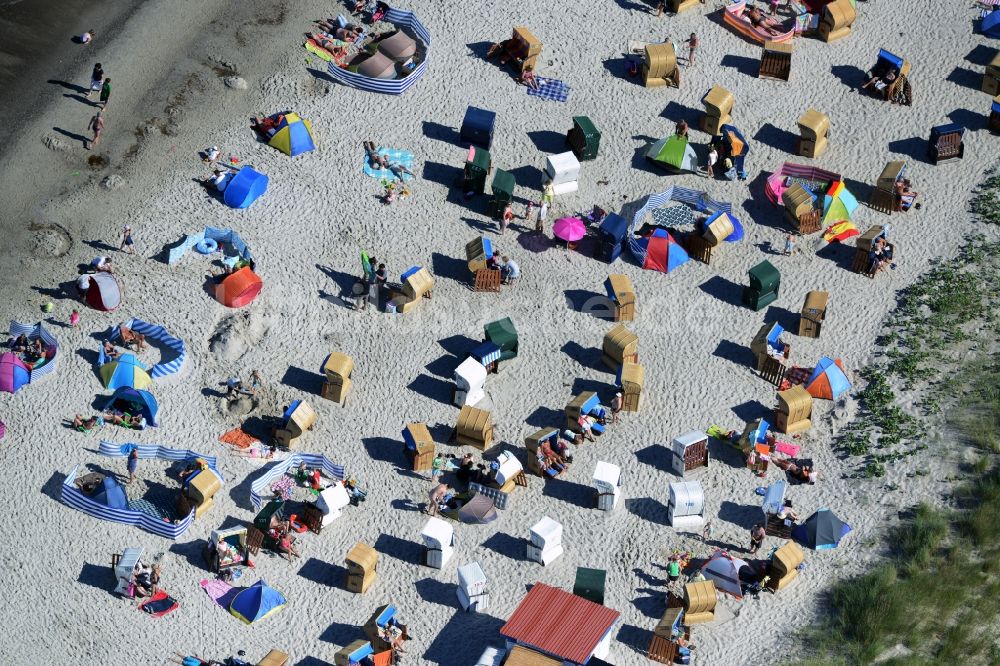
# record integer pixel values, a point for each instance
(389, 86)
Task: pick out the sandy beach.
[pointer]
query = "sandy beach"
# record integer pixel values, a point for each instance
(320, 210)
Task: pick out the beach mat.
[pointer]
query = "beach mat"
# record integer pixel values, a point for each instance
(321, 52)
(220, 591)
(789, 449)
(401, 156)
(550, 89)
(159, 604)
(238, 438)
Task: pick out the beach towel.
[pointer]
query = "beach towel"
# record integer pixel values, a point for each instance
(794, 376)
(321, 52)
(401, 157)
(159, 604)
(789, 449)
(550, 89)
(238, 438)
(220, 591)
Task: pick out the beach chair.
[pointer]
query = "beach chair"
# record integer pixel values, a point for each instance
(362, 564)
(584, 139)
(620, 346)
(784, 564)
(863, 246)
(659, 66)
(275, 658)
(883, 197)
(991, 77)
(813, 129)
(589, 584)
(523, 49)
(775, 61)
(622, 296)
(836, 20)
(337, 373)
(765, 281)
(678, 6)
(699, 602)
(946, 143)
(501, 193)
(813, 314)
(994, 121)
(793, 411)
(718, 103)
(698, 248)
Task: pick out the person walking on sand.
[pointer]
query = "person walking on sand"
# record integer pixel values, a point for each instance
(713, 157)
(757, 535)
(505, 219)
(96, 126)
(133, 464)
(95, 80)
(692, 44)
(74, 318)
(616, 407)
(529, 211)
(105, 93)
(789, 244)
(706, 532)
(127, 241)
(548, 192)
(543, 211)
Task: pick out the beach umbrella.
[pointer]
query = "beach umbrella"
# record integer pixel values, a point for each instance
(479, 510)
(821, 531)
(569, 229)
(256, 602)
(126, 371)
(13, 373)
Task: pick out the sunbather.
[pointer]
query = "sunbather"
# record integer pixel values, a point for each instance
(398, 170)
(584, 423)
(377, 161)
(132, 339)
(759, 20)
(21, 343)
(126, 420)
(110, 350)
(527, 78)
(803, 473)
(216, 180)
(84, 425)
(268, 125)
(286, 546)
(336, 50)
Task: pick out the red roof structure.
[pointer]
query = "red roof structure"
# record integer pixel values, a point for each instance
(559, 623)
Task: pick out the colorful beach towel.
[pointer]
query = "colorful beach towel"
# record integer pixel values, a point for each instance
(159, 604)
(220, 591)
(238, 438)
(794, 376)
(550, 89)
(789, 449)
(401, 157)
(321, 52)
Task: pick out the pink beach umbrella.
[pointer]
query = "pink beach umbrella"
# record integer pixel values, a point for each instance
(569, 229)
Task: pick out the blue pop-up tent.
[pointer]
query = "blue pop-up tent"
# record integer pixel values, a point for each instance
(134, 401)
(244, 188)
(257, 602)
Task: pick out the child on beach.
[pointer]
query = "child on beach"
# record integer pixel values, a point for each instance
(529, 210)
(88, 36)
(96, 78)
(713, 157)
(543, 211)
(127, 241)
(74, 318)
(505, 218)
(789, 244)
(105, 93)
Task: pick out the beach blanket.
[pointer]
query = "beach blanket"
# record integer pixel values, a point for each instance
(401, 157)
(220, 591)
(238, 438)
(159, 604)
(794, 376)
(550, 89)
(673, 216)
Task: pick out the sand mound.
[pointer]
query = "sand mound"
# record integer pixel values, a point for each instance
(237, 334)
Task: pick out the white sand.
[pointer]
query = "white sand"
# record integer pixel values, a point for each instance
(320, 209)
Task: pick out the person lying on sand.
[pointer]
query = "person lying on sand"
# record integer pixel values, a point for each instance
(216, 180)
(527, 78)
(337, 50)
(110, 350)
(398, 170)
(136, 421)
(803, 473)
(85, 425)
(377, 161)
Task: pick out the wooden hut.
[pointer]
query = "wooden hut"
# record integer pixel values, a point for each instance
(659, 66)
(814, 126)
(775, 61)
(793, 411)
(362, 562)
(337, 369)
(622, 297)
(836, 20)
(718, 104)
(620, 346)
(813, 314)
(474, 428)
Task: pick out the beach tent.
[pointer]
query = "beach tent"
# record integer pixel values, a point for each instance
(256, 602)
(661, 252)
(839, 204)
(673, 152)
(13, 373)
(134, 401)
(239, 288)
(126, 371)
(725, 570)
(991, 24)
(294, 136)
(479, 510)
(110, 494)
(821, 531)
(104, 293)
(244, 188)
(828, 380)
